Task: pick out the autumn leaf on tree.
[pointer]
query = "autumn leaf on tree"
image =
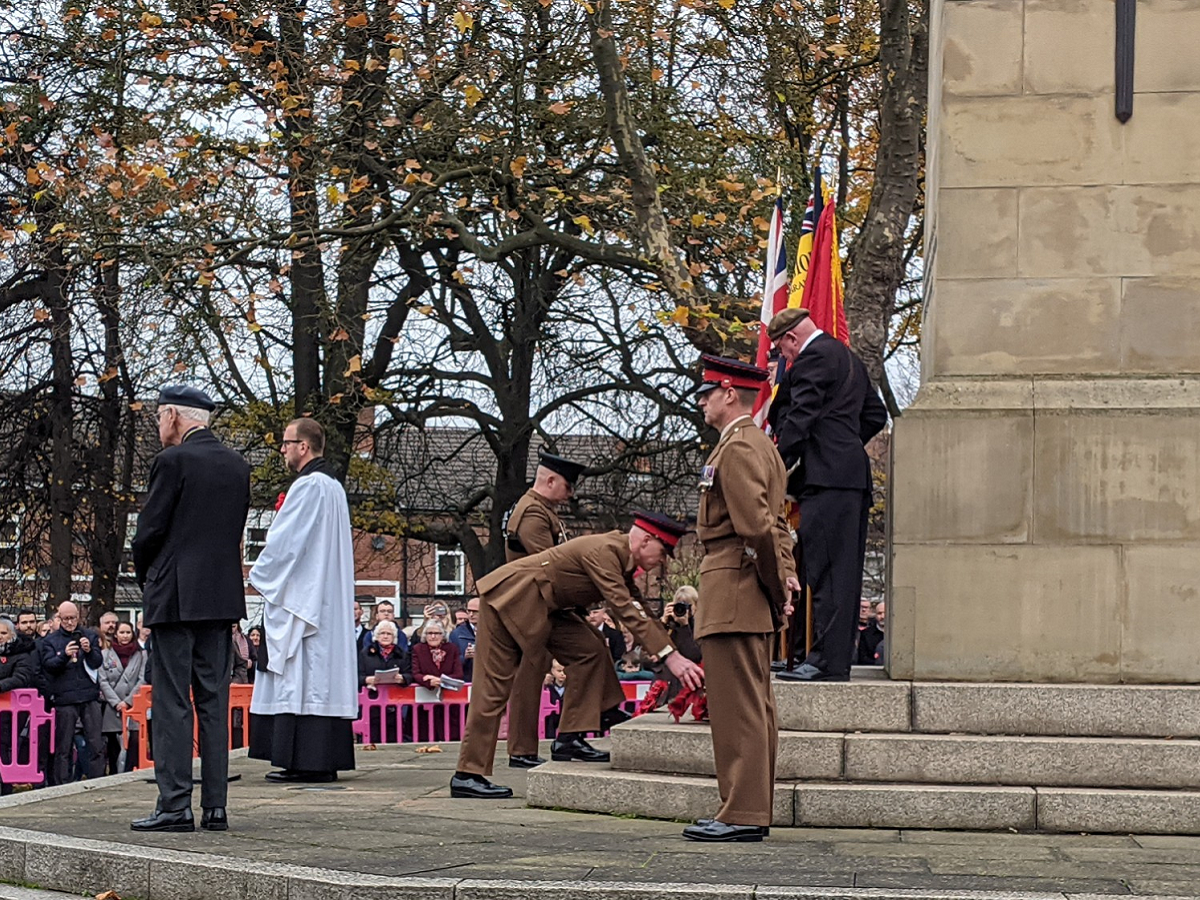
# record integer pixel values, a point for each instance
(358, 21)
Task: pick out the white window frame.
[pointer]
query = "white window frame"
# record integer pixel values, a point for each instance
(257, 519)
(131, 522)
(14, 545)
(446, 587)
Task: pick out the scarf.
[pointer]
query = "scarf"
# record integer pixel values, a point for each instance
(386, 652)
(437, 655)
(125, 652)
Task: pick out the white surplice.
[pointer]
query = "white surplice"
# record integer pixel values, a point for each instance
(306, 576)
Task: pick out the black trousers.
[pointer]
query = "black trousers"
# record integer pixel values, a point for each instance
(87, 715)
(833, 531)
(195, 657)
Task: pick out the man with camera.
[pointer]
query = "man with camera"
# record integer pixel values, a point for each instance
(678, 617)
(747, 578)
(66, 654)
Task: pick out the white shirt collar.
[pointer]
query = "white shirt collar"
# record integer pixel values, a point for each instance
(726, 429)
(812, 337)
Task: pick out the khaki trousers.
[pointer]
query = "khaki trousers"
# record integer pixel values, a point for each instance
(500, 650)
(741, 710)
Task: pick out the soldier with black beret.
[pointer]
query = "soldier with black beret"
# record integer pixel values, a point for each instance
(532, 526)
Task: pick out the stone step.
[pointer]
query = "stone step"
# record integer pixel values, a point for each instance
(598, 788)
(656, 743)
(1033, 761)
(1066, 710)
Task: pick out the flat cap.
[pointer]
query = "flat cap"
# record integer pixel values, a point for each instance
(784, 321)
(662, 527)
(561, 465)
(726, 372)
(185, 395)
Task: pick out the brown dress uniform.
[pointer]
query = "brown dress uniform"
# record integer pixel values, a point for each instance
(747, 561)
(516, 606)
(534, 526)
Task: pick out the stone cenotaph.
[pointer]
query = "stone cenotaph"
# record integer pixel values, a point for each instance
(1045, 505)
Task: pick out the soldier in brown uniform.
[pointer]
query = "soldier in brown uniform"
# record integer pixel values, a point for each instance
(531, 527)
(747, 577)
(517, 603)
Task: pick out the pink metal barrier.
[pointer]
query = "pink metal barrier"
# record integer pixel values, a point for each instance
(22, 712)
(391, 714)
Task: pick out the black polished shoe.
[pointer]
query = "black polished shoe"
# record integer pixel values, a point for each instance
(778, 665)
(298, 776)
(718, 832)
(214, 819)
(175, 820)
(573, 748)
(808, 672)
(611, 717)
(476, 787)
(530, 761)
(704, 822)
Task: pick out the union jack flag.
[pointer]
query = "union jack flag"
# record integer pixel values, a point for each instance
(775, 298)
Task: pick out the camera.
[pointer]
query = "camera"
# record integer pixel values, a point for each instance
(681, 609)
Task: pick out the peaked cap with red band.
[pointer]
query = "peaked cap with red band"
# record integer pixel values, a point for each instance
(723, 372)
(662, 527)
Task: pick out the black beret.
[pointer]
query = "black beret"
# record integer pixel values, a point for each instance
(185, 395)
(564, 467)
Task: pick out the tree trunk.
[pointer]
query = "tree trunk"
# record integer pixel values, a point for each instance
(876, 265)
(653, 229)
(107, 507)
(62, 468)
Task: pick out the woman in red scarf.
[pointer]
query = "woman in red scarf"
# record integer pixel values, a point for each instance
(120, 677)
(431, 659)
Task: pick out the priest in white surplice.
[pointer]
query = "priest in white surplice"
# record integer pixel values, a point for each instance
(306, 687)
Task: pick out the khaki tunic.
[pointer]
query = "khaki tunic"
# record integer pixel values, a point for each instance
(534, 526)
(747, 561)
(517, 606)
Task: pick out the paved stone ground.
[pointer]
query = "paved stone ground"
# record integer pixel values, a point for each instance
(394, 817)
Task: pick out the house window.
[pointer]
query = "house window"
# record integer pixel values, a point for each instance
(451, 572)
(257, 524)
(10, 543)
(131, 520)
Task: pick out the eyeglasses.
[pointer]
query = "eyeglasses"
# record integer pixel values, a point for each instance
(283, 444)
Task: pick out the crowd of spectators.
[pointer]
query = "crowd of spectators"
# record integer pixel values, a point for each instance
(89, 677)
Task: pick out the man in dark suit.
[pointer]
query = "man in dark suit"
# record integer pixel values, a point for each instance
(824, 413)
(188, 560)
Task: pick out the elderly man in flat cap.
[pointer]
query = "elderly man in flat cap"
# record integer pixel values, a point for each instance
(188, 559)
(531, 527)
(824, 413)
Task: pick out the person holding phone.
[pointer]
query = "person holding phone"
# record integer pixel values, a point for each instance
(747, 580)
(66, 655)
